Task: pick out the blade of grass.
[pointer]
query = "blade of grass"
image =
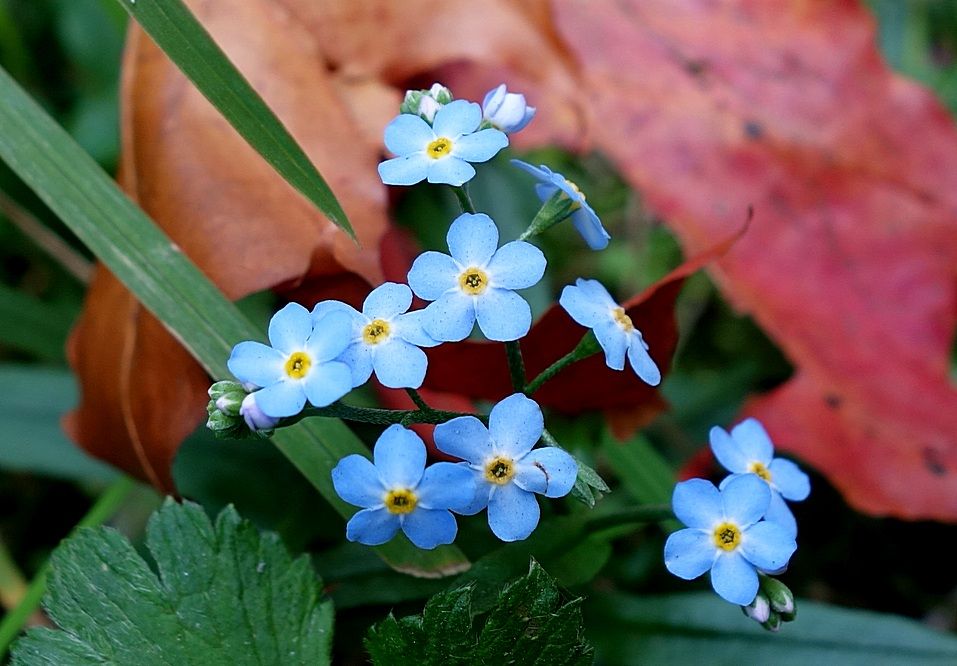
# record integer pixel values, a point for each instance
(172, 288)
(184, 40)
(29, 324)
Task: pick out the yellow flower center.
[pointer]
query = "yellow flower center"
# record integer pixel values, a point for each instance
(400, 501)
(439, 148)
(760, 470)
(376, 331)
(727, 536)
(623, 319)
(298, 364)
(575, 204)
(499, 470)
(473, 281)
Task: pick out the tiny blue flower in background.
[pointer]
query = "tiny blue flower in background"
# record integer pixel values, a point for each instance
(748, 450)
(477, 282)
(385, 338)
(398, 491)
(506, 111)
(590, 304)
(507, 471)
(584, 219)
(300, 363)
(724, 535)
(253, 416)
(439, 153)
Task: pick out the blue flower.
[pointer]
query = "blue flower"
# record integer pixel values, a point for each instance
(506, 111)
(748, 450)
(385, 337)
(476, 282)
(590, 304)
(398, 491)
(507, 471)
(440, 153)
(584, 219)
(724, 535)
(300, 363)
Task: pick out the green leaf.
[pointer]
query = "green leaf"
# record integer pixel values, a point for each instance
(181, 37)
(222, 594)
(30, 325)
(699, 627)
(35, 398)
(643, 472)
(529, 624)
(174, 289)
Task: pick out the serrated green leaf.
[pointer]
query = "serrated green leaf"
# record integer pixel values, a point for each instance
(529, 625)
(184, 40)
(223, 594)
(168, 284)
(699, 628)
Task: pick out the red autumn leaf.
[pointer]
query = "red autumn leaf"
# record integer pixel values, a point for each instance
(850, 264)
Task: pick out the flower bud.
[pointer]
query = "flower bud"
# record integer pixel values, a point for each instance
(425, 103)
(254, 417)
(759, 610)
(506, 111)
(779, 596)
(220, 389)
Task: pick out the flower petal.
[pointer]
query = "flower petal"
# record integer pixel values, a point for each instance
(409, 327)
(768, 546)
(515, 425)
(614, 342)
(427, 528)
(516, 265)
(754, 441)
(332, 334)
(503, 315)
(357, 482)
(587, 223)
(283, 398)
(548, 471)
(512, 513)
(472, 239)
(408, 133)
(543, 173)
(358, 356)
(689, 553)
(641, 361)
(581, 308)
(728, 451)
(450, 170)
(596, 291)
(372, 527)
(432, 274)
(697, 503)
(405, 170)
(450, 318)
(464, 437)
(480, 146)
(323, 308)
(789, 479)
(400, 457)
(734, 579)
(387, 300)
(483, 491)
(400, 365)
(256, 363)
(457, 118)
(446, 485)
(327, 382)
(745, 499)
(779, 512)
(289, 328)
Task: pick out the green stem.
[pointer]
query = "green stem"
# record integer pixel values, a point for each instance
(418, 400)
(465, 201)
(585, 348)
(376, 415)
(101, 511)
(553, 210)
(647, 513)
(516, 365)
(12, 584)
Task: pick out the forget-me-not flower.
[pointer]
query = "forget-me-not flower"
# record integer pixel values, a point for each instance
(724, 535)
(254, 417)
(506, 469)
(583, 217)
(385, 337)
(300, 363)
(748, 450)
(477, 282)
(398, 491)
(439, 153)
(506, 111)
(590, 304)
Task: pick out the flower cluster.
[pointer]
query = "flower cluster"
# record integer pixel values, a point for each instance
(738, 530)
